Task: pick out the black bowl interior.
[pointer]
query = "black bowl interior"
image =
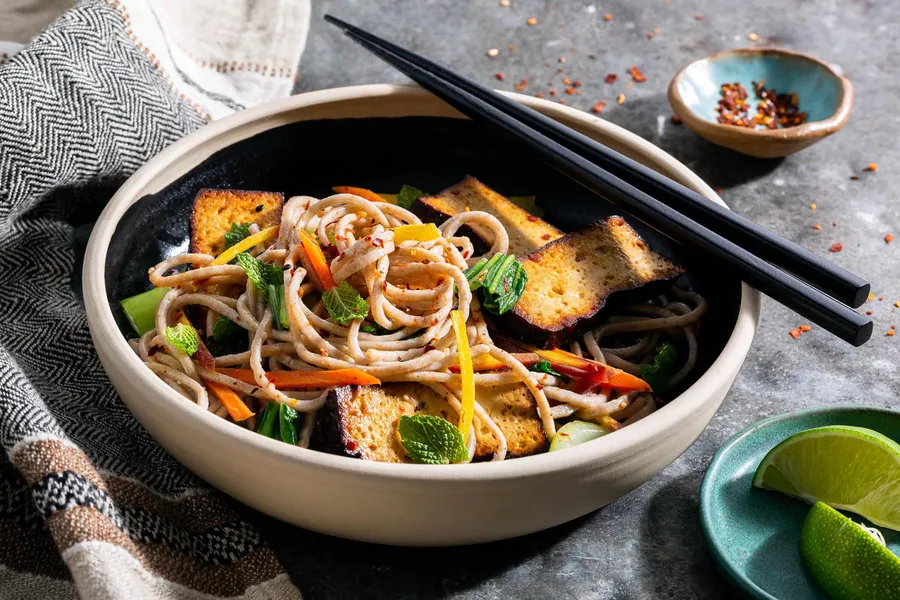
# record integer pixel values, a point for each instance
(382, 154)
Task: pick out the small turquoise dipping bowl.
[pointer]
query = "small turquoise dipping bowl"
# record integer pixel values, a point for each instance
(753, 534)
(824, 94)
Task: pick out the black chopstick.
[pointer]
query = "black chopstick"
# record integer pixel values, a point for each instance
(767, 245)
(790, 291)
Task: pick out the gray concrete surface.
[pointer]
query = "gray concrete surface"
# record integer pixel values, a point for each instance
(648, 544)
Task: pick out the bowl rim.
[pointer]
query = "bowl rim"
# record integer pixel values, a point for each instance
(808, 131)
(724, 560)
(605, 450)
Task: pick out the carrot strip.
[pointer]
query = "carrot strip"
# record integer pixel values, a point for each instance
(625, 381)
(361, 192)
(292, 380)
(317, 263)
(231, 401)
(245, 244)
(467, 376)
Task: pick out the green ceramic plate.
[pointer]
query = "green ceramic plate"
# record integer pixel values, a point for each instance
(753, 533)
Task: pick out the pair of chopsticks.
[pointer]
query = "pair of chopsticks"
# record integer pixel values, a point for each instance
(807, 284)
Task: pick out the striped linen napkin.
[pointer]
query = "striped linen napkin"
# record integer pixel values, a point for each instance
(90, 506)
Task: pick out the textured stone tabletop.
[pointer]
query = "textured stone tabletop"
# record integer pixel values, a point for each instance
(649, 544)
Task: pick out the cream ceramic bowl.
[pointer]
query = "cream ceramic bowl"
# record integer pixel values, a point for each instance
(417, 505)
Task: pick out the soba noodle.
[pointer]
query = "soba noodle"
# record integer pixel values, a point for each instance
(411, 287)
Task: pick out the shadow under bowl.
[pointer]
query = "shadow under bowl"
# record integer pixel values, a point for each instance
(824, 94)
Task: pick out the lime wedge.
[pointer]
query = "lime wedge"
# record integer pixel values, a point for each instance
(848, 468)
(846, 560)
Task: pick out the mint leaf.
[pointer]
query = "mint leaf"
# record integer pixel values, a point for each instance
(660, 371)
(260, 273)
(408, 195)
(227, 338)
(544, 366)
(184, 337)
(344, 304)
(432, 440)
(236, 234)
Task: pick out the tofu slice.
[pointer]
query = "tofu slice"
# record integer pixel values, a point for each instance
(574, 277)
(526, 232)
(361, 421)
(214, 212)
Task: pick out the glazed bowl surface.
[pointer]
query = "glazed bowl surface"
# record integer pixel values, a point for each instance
(383, 136)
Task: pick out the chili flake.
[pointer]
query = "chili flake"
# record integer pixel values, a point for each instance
(805, 328)
(752, 37)
(897, 303)
(817, 227)
(531, 21)
(812, 206)
(576, 83)
(890, 333)
(539, 95)
(499, 76)
(676, 119)
(598, 108)
(699, 17)
(888, 238)
(561, 59)
(620, 99)
(611, 78)
(552, 92)
(566, 81)
(570, 91)
(511, 47)
(871, 297)
(562, 101)
(868, 312)
(872, 167)
(836, 247)
(504, 3)
(637, 75)
(493, 52)
(650, 35)
(607, 17)
(854, 178)
(795, 332)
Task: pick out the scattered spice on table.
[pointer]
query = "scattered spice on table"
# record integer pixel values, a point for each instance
(817, 227)
(539, 95)
(566, 81)
(531, 21)
(805, 328)
(649, 35)
(561, 59)
(752, 37)
(812, 206)
(854, 177)
(699, 17)
(890, 333)
(629, 84)
(637, 75)
(620, 99)
(493, 52)
(511, 47)
(880, 298)
(562, 101)
(888, 238)
(897, 303)
(611, 78)
(607, 17)
(868, 312)
(598, 108)
(552, 92)
(576, 83)
(499, 76)
(676, 119)
(836, 247)
(871, 297)
(872, 167)
(504, 3)
(795, 332)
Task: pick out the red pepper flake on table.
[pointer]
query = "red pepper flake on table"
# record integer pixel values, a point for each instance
(676, 119)
(817, 227)
(504, 3)
(532, 21)
(620, 99)
(812, 206)
(607, 17)
(752, 37)
(699, 17)
(890, 333)
(795, 332)
(836, 247)
(611, 78)
(499, 76)
(493, 52)
(637, 75)
(888, 238)
(598, 108)
(805, 328)
(872, 167)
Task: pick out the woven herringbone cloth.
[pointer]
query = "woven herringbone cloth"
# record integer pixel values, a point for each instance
(90, 505)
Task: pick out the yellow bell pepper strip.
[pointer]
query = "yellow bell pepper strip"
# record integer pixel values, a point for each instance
(245, 244)
(418, 233)
(231, 401)
(361, 192)
(298, 380)
(317, 263)
(389, 198)
(202, 355)
(486, 362)
(467, 375)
